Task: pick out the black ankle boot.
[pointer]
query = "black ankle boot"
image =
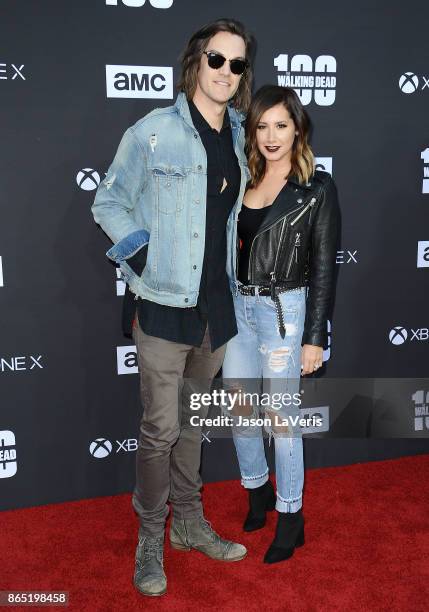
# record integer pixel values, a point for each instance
(261, 499)
(289, 535)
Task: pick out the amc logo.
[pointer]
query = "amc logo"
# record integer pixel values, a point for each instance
(139, 81)
(423, 254)
(126, 357)
(324, 163)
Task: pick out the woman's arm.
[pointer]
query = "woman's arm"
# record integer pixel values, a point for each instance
(324, 244)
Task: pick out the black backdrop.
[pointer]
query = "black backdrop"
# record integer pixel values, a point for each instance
(60, 313)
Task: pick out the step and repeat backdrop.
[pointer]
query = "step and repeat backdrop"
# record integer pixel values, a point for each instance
(73, 77)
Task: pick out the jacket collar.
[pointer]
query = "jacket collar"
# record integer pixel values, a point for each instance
(286, 201)
(294, 180)
(236, 118)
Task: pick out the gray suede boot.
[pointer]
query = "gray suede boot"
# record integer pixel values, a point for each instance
(197, 533)
(149, 576)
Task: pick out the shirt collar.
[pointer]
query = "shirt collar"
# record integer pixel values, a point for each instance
(200, 122)
(181, 107)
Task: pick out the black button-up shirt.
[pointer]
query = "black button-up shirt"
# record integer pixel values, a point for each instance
(214, 305)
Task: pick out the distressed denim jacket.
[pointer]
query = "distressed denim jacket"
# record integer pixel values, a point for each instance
(154, 195)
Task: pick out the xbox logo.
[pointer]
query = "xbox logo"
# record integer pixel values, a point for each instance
(398, 335)
(100, 448)
(408, 82)
(88, 179)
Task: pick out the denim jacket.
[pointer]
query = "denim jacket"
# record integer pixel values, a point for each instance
(154, 195)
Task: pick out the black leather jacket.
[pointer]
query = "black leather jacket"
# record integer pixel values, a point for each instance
(296, 246)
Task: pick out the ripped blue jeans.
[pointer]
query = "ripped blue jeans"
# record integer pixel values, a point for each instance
(259, 358)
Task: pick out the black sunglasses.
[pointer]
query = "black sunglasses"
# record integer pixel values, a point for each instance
(216, 60)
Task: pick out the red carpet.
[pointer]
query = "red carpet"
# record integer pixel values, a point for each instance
(367, 548)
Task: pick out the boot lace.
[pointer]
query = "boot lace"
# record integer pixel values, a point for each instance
(206, 526)
(151, 547)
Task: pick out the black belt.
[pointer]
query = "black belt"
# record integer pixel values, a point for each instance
(261, 289)
(267, 290)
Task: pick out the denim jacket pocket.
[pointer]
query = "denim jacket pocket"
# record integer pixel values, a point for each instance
(169, 188)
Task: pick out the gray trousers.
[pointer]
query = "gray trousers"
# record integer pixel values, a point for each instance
(169, 449)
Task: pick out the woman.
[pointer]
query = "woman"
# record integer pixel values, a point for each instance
(287, 229)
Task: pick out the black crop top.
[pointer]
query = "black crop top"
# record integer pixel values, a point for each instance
(249, 221)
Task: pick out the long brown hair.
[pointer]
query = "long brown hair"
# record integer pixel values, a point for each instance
(197, 44)
(302, 158)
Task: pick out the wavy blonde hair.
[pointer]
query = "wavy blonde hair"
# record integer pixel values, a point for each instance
(193, 52)
(302, 158)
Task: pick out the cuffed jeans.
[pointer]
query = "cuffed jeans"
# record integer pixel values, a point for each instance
(259, 352)
(169, 448)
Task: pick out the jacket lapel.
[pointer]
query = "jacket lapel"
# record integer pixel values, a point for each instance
(286, 201)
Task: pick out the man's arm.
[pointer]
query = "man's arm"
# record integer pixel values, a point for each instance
(118, 194)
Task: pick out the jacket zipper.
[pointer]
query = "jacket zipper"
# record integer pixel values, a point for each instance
(253, 241)
(303, 211)
(295, 249)
(272, 274)
(294, 253)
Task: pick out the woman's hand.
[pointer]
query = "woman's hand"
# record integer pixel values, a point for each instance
(311, 358)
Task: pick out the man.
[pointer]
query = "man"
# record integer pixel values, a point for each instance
(169, 204)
